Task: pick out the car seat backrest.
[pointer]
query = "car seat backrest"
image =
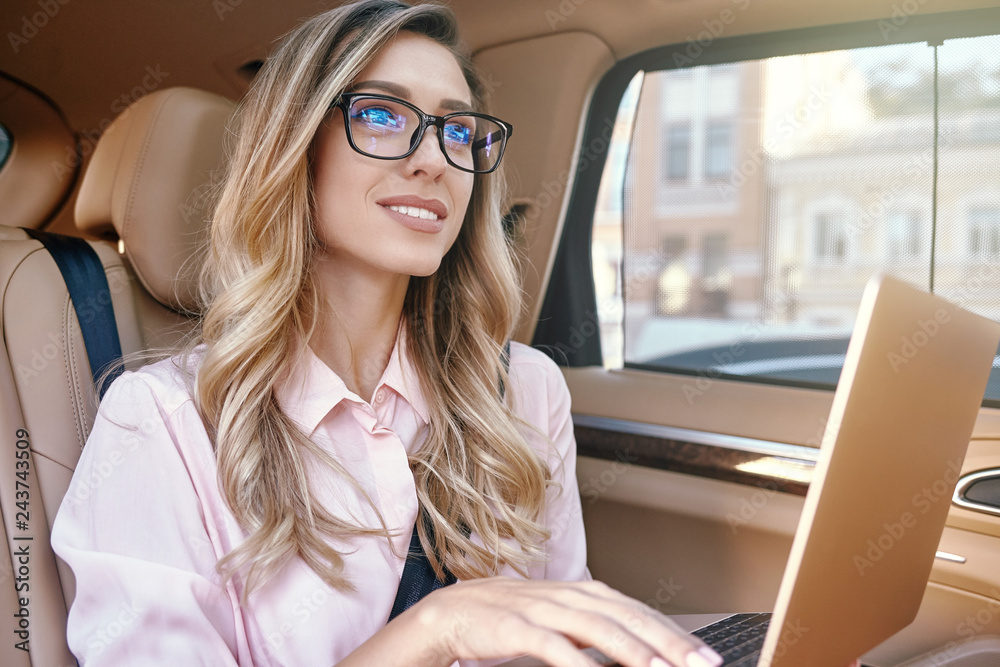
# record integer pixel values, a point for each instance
(148, 184)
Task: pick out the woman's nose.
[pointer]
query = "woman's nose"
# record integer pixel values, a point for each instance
(429, 156)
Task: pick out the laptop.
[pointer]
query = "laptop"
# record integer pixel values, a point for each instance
(903, 413)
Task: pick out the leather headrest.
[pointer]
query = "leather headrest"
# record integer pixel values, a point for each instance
(148, 184)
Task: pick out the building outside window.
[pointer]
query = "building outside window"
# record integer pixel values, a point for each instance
(678, 152)
(719, 150)
(984, 233)
(903, 235)
(830, 236)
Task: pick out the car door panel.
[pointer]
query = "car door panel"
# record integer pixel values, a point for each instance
(689, 527)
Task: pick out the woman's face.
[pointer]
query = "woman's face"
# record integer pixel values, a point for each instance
(395, 216)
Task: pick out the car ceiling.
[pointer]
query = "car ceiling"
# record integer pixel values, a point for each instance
(90, 57)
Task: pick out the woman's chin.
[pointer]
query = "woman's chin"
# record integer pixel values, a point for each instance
(423, 269)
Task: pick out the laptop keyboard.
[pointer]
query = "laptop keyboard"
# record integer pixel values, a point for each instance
(737, 638)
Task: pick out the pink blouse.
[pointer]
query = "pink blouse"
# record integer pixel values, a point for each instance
(143, 523)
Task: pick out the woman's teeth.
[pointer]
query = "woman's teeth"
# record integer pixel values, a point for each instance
(414, 212)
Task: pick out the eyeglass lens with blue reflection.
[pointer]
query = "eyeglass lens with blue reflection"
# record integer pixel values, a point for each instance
(388, 128)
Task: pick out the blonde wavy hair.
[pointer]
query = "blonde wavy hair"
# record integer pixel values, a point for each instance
(476, 470)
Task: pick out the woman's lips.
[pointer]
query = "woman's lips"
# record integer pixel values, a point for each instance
(417, 213)
(415, 223)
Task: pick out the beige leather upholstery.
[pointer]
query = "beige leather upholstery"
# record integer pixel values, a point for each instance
(146, 183)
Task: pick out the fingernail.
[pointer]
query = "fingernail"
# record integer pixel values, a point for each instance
(704, 657)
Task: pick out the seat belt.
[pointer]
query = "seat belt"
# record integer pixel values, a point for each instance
(83, 274)
(418, 577)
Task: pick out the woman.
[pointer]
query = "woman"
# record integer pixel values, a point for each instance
(349, 377)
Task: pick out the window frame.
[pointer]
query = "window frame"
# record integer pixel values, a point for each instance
(569, 302)
(5, 157)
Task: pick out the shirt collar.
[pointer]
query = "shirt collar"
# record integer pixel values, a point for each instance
(310, 388)
(401, 375)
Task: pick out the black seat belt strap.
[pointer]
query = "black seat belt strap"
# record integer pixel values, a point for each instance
(418, 577)
(83, 274)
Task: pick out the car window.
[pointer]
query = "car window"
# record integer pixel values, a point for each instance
(744, 204)
(6, 145)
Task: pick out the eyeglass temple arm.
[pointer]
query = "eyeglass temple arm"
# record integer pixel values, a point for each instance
(489, 138)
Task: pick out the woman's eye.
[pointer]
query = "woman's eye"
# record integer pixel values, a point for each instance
(379, 117)
(458, 133)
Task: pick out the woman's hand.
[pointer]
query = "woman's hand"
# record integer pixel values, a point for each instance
(500, 617)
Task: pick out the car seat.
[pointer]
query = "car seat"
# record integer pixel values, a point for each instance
(147, 187)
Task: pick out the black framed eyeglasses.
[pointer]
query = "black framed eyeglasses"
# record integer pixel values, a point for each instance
(388, 128)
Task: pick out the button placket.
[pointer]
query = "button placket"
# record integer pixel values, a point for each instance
(393, 479)
(384, 406)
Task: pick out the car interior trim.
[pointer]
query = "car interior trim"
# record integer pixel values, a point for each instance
(954, 558)
(771, 465)
(961, 499)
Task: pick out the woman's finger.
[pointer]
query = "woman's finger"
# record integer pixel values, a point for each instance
(588, 628)
(553, 648)
(499, 617)
(639, 633)
(590, 614)
(508, 632)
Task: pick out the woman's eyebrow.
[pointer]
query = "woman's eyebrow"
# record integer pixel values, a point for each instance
(385, 86)
(455, 105)
(403, 92)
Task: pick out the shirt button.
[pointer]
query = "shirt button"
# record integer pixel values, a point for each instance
(380, 396)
